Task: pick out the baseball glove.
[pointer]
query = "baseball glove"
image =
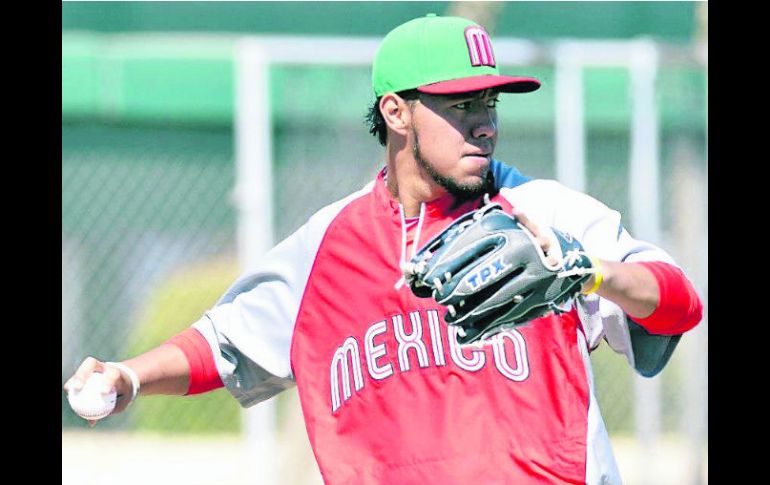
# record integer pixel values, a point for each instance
(490, 273)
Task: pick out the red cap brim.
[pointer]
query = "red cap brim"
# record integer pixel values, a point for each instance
(506, 84)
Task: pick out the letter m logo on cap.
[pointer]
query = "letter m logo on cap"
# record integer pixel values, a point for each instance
(479, 46)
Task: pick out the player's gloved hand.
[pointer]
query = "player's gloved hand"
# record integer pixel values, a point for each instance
(494, 271)
(114, 376)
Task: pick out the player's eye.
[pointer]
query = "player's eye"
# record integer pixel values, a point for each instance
(475, 104)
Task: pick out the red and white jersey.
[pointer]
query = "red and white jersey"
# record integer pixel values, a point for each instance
(387, 395)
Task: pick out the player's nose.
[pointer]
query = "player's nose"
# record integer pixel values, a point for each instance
(485, 125)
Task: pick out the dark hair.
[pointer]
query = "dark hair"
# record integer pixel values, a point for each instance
(376, 122)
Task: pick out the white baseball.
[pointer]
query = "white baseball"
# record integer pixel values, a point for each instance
(89, 402)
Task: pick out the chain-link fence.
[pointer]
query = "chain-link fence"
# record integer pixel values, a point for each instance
(146, 241)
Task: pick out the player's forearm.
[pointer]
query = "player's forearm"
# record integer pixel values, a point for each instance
(181, 366)
(163, 370)
(631, 286)
(656, 295)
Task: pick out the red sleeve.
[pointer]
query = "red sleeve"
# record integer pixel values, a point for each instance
(679, 306)
(203, 371)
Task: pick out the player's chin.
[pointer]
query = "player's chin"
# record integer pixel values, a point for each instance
(473, 171)
(468, 187)
(472, 182)
(474, 166)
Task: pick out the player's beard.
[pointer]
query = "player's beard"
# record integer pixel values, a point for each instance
(461, 192)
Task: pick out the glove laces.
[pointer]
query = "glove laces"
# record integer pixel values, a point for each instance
(408, 268)
(572, 257)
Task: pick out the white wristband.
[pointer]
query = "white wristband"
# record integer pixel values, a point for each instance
(131, 375)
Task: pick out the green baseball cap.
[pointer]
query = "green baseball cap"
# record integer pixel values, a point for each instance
(441, 55)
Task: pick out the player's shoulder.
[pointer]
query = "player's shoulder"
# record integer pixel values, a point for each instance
(507, 176)
(544, 190)
(512, 183)
(511, 180)
(543, 198)
(324, 216)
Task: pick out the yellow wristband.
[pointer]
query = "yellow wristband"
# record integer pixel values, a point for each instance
(598, 276)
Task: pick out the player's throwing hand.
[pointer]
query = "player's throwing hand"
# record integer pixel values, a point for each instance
(115, 375)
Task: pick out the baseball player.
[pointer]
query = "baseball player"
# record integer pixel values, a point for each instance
(388, 394)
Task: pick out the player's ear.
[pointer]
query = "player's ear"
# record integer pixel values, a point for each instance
(396, 113)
